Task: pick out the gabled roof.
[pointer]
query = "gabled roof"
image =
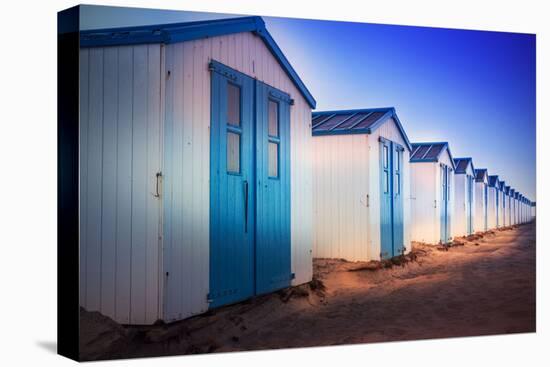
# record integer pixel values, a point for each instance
(507, 190)
(501, 185)
(180, 32)
(482, 175)
(512, 192)
(493, 181)
(359, 121)
(462, 164)
(516, 195)
(430, 152)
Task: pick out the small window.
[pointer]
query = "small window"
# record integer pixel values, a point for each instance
(385, 156)
(397, 160)
(397, 183)
(273, 129)
(386, 182)
(273, 160)
(233, 152)
(233, 105)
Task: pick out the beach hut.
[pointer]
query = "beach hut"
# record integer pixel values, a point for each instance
(464, 206)
(502, 204)
(512, 195)
(195, 181)
(480, 200)
(517, 204)
(493, 202)
(361, 185)
(432, 192)
(508, 207)
(533, 210)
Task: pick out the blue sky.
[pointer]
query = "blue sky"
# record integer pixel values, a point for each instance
(474, 89)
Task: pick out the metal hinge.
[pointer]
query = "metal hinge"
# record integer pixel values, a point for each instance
(208, 298)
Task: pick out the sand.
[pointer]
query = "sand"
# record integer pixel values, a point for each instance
(482, 285)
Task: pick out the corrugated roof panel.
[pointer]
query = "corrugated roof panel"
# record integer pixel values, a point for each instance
(419, 154)
(461, 165)
(318, 119)
(352, 121)
(480, 174)
(331, 122)
(434, 151)
(366, 123)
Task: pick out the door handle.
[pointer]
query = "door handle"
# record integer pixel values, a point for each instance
(245, 184)
(159, 176)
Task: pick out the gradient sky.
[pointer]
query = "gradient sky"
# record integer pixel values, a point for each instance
(474, 89)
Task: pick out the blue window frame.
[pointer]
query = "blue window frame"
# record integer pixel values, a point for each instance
(273, 138)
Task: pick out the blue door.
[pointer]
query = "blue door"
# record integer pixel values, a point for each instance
(444, 207)
(272, 189)
(391, 199)
(231, 178)
(249, 187)
(397, 194)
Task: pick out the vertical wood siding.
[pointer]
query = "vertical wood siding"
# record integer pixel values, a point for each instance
(187, 162)
(341, 185)
(425, 202)
(120, 119)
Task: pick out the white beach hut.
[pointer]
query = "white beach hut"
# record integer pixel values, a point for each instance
(195, 174)
(361, 185)
(512, 194)
(502, 204)
(481, 183)
(432, 192)
(464, 205)
(493, 203)
(508, 209)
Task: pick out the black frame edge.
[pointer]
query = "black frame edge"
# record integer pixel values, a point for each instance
(68, 313)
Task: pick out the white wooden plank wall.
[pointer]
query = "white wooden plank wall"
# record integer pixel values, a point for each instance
(425, 202)
(340, 166)
(120, 118)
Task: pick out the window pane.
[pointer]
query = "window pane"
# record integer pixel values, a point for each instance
(233, 152)
(385, 156)
(386, 182)
(273, 118)
(397, 162)
(233, 105)
(273, 170)
(397, 183)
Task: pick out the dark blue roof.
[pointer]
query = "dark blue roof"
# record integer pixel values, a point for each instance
(461, 165)
(430, 152)
(481, 174)
(180, 32)
(507, 190)
(501, 185)
(493, 181)
(359, 121)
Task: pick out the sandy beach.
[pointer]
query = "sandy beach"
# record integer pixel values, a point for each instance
(482, 285)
